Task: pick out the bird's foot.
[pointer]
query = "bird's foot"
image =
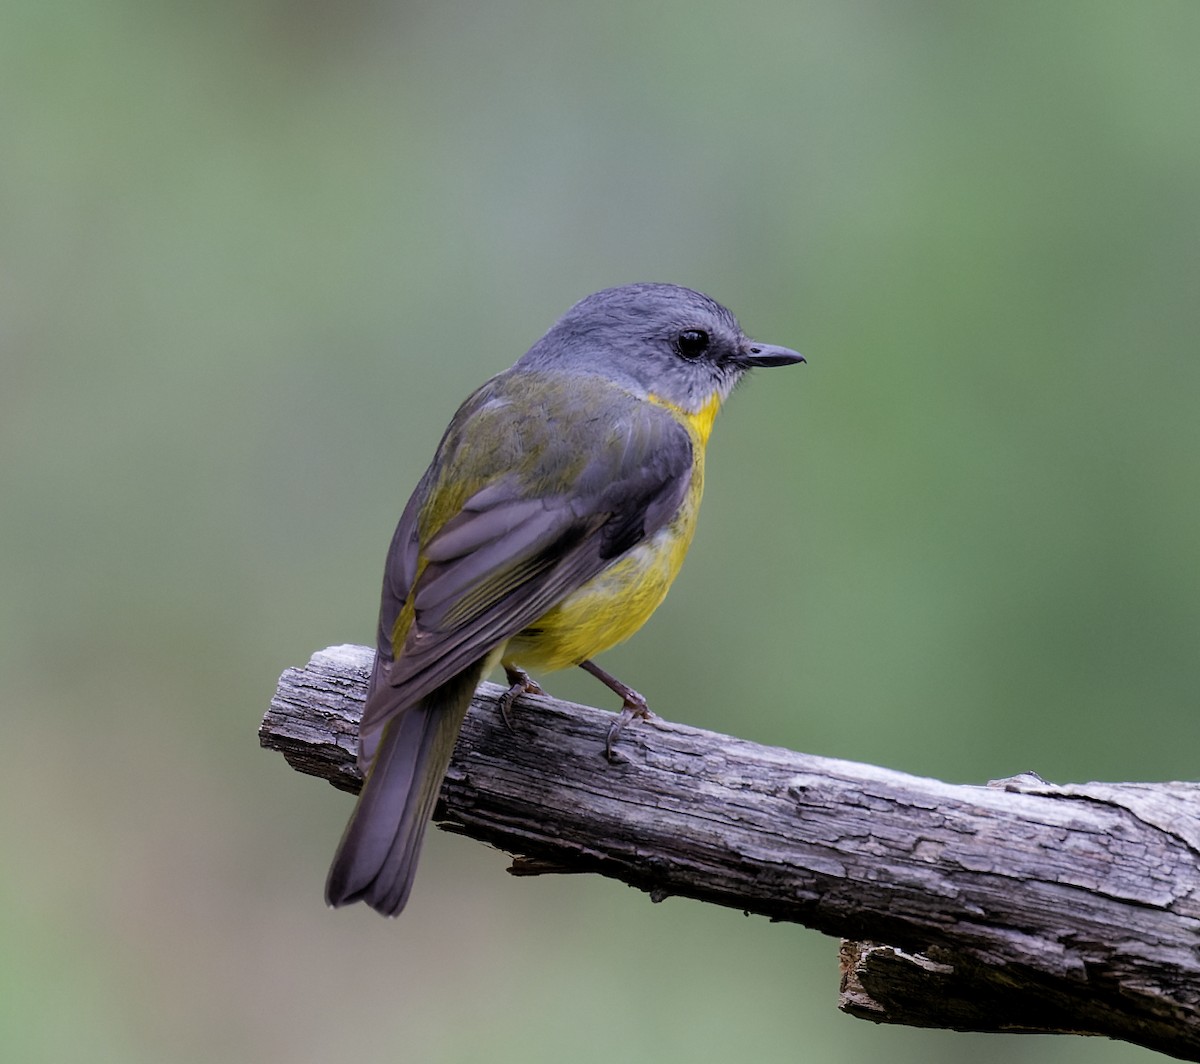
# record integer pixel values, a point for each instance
(634, 709)
(520, 683)
(634, 706)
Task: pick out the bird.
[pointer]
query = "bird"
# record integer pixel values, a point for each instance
(550, 524)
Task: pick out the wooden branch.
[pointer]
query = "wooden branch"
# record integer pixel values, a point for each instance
(1017, 906)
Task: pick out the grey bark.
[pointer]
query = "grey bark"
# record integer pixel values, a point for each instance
(1015, 906)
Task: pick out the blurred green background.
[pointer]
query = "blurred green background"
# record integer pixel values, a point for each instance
(253, 255)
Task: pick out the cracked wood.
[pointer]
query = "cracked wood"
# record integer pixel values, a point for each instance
(1068, 908)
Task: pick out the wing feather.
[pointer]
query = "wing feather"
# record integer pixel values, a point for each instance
(563, 496)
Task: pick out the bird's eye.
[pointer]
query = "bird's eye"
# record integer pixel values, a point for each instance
(692, 343)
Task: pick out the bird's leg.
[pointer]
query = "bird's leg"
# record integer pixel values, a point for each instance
(633, 708)
(520, 683)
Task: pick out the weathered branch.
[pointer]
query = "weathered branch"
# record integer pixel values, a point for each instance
(1017, 906)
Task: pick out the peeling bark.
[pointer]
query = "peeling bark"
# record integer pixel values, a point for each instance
(1015, 906)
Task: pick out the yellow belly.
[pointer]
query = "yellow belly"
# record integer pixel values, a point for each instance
(617, 601)
(607, 609)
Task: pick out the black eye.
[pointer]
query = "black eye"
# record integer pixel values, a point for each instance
(692, 343)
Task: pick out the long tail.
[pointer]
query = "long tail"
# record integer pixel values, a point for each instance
(377, 857)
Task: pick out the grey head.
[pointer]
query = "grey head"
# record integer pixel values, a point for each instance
(660, 339)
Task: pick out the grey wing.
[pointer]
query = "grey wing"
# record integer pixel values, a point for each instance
(509, 555)
(398, 577)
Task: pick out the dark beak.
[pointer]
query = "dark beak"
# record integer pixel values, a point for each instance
(755, 354)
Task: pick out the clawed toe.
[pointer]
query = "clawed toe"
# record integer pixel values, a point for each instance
(630, 712)
(520, 683)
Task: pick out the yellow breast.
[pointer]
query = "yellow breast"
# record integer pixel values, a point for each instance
(616, 602)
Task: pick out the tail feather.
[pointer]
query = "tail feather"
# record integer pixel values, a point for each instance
(377, 857)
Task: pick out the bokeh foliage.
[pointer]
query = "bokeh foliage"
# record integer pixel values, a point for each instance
(253, 256)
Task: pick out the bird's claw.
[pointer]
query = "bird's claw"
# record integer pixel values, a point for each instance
(634, 709)
(520, 683)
